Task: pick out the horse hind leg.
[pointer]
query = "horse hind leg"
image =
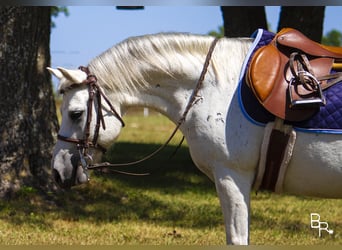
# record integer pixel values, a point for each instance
(233, 189)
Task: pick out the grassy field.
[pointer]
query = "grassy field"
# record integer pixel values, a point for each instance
(174, 205)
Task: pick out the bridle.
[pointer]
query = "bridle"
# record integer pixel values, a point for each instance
(84, 144)
(94, 89)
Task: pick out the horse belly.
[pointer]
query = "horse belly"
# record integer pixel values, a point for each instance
(316, 166)
(234, 145)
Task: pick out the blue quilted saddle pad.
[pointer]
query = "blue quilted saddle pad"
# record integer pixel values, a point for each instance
(327, 120)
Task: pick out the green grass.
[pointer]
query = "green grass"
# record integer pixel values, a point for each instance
(174, 205)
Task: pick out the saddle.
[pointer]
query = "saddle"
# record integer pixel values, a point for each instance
(288, 75)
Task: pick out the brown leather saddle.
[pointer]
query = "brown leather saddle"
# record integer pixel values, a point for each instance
(288, 75)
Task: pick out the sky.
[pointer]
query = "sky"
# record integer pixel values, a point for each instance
(90, 30)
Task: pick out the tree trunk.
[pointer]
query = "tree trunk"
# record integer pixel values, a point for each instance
(307, 19)
(27, 109)
(243, 21)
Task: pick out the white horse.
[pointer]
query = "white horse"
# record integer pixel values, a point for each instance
(160, 72)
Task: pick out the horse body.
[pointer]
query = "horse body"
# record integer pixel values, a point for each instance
(315, 168)
(161, 72)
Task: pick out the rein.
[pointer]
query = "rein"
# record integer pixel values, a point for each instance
(84, 144)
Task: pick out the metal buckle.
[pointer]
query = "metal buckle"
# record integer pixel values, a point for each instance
(85, 159)
(318, 100)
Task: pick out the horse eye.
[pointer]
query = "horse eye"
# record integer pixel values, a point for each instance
(75, 115)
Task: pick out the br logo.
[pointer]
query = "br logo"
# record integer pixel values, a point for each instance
(316, 223)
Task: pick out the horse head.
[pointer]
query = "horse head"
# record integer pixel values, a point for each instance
(83, 135)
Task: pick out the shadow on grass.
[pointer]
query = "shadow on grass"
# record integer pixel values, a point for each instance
(111, 197)
(167, 170)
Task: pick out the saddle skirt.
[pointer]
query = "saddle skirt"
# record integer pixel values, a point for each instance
(328, 118)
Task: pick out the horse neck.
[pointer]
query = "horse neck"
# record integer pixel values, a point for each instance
(169, 93)
(168, 90)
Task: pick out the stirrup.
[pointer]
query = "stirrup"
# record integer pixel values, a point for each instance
(319, 100)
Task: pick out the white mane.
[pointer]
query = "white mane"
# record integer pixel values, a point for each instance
(126, 66)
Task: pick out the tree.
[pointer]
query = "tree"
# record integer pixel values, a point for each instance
(27, 110)
(243, 21)
(219, 33)
(55, 11)
(332, 38)
(307, 19)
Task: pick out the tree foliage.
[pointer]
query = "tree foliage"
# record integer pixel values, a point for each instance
(217, 33)
(332, 38)
(55, 11)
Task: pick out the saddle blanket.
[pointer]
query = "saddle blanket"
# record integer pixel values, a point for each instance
(327, 120)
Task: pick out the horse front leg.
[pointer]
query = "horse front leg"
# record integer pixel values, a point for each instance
(233, 188)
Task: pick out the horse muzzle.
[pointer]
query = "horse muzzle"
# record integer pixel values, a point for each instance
(68, 169)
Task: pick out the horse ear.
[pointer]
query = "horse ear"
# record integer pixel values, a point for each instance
(75, 76)
(55, 72)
